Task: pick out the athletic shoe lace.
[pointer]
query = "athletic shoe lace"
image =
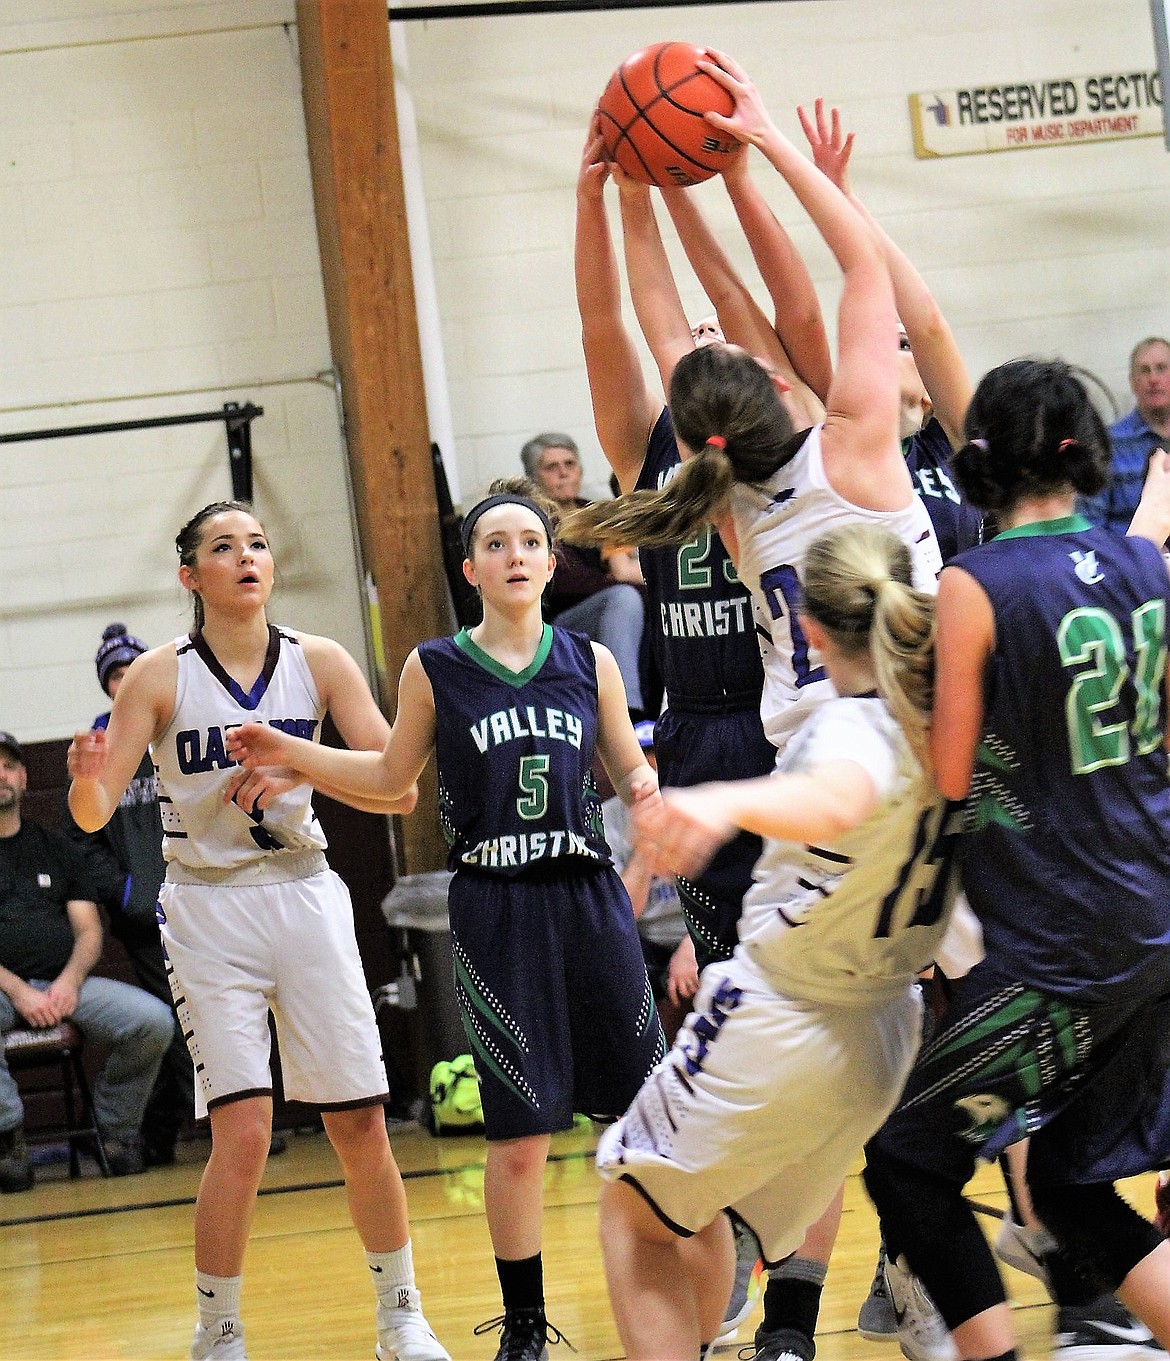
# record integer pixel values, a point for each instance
(524, 1334)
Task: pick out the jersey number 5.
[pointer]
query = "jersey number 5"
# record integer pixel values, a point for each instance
(1091, 639)
(533, 801)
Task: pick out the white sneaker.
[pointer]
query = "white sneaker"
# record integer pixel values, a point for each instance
(403, 1333)
(922, 1334)
(224, 1342)
(1024, 1248)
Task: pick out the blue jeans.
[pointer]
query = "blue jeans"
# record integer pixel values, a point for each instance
(614, 617)
(134, 1026)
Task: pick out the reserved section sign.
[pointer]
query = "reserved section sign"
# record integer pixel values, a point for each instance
(1062, 111)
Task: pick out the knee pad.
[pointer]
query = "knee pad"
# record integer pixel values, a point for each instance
(1101, 1237)
(925, 1219)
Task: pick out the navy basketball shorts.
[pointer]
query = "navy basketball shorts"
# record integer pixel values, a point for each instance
(1009, 1062)
(554, 997)
(692, 748)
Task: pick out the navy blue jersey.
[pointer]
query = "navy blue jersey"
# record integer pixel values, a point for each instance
(1068, 866)
(957, 524)
(701, 624)
(514, 750)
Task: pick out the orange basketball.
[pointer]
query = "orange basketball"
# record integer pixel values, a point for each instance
(652, 120)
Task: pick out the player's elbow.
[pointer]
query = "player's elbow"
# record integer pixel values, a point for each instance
(953, 787)
(952, 783)
(84, 814)
(828, 825)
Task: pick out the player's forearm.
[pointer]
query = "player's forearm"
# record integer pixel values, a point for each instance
(595, 267)
(799, 323)
(346, 773)
(90, 803)
(712, 267)
(400, 804)
(845, 231)
(657, 304)
(795, 807)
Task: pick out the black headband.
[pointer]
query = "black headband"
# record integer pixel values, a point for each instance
(501, 499)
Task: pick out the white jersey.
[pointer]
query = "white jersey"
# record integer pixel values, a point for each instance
(200, 830)
(852, 923)
(775, 522)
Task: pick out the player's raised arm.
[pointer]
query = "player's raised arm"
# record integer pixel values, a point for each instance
(799, 325)
(932, 342)
(741, 319)
(860, 439)
(624, 408)
(655, 295)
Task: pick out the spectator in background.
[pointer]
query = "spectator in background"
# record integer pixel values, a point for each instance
(595, 592)
(1135, 437)
(125, 863)
(50, 939)
(667, 946)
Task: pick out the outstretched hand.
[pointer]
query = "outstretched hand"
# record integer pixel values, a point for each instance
(257, 744)
(682, 829)
(254, 790)
(750, 121)
(86, 757)
(595, 165)
(830, 148)
(1151, 520)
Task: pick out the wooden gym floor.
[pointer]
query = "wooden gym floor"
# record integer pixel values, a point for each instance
(97, 1269)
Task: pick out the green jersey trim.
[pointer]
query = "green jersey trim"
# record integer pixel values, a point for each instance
(466, 644)
(1068, 524)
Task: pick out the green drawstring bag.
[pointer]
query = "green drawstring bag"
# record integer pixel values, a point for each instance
(455, 1104)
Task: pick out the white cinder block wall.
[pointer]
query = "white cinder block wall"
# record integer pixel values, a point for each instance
(159, 256)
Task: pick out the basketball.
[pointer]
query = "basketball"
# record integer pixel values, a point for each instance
(652, 120)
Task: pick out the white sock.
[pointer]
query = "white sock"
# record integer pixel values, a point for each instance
(391, 1272)
(218, 1298)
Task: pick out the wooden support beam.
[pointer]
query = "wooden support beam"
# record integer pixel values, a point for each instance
(348, 86)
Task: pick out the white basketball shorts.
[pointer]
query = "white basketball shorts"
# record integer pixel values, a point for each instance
(237, 951)
(761, 1106)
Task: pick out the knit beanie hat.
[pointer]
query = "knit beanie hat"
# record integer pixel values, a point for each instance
(119, 648)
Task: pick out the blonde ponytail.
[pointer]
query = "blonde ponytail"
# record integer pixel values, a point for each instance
(857, 583)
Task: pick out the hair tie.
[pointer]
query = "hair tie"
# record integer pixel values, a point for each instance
(501, 499)
(1067, 444)
(717, 440)
(980, 444)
